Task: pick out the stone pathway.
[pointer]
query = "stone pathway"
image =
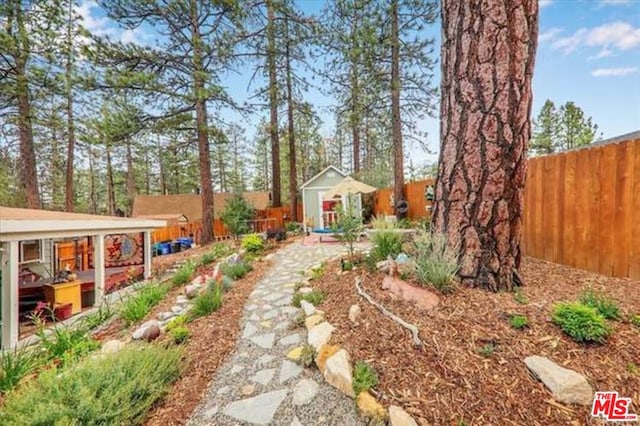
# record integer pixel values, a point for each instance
(258, 384)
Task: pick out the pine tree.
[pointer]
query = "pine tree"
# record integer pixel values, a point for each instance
(545, 130)
(574, 130)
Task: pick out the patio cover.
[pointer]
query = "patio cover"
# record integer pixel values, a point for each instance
(348, 186)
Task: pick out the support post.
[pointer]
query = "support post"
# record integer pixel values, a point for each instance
(147, 254)
(98, 265)
(9, 268)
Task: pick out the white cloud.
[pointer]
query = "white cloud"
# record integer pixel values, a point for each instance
(614, 72)
(611, 37)
(548, 35)
(544, 3)
(100, 26)
(604, 53)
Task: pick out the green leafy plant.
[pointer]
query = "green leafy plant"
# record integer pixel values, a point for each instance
(180, 334)
(252, 243)
(436, 263)
(364, 377)
(103, 313)
(487, 349)
(582, 323)
(379, 222)
(64, 343)
(299, 319)
(207, 302)
(16, 364)
(236, 215)
(607, 307)
(386, 243)
(314, 297)
(349, 226)
(307, 355)
(115, 390)
(632, 368)
(138, 305)
(518, 322)
(404, 223)
(208, 258)
(519, 297)
(635, 320)
(317, 272)
(184, 274)
(236, 270)
(293, 227)
(176, 322)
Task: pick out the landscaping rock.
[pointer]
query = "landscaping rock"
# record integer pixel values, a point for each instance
(289, 370)
(305, 290)
(181, 299)
(292, 339)
(320, 335)
(338, 372)
(164, 316)
(421, 297)
(307, 307)
(370, 407)
(566, 385)
(383, 266)
(399, 417)
(112, 347)
(304, 391)
(148, 331)
(249, 330)
(354, 313)
(192, 290)
(259, 409)
(313, 320)
(325, 352)
(177, 310)
(265, 341)
(263, 376)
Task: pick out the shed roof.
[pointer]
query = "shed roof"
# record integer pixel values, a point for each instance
(22, 224)
(310, 181)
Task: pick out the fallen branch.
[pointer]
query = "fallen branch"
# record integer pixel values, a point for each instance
(412, 328)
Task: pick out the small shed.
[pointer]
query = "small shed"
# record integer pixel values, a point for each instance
(318, 212)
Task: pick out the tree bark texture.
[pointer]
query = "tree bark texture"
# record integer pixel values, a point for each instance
(273, 103)
(355, 99)
(396, 123)
(293, 175)
(488, 52)
(131, 181)
(71, 129)
(111, 194)
(204, 156)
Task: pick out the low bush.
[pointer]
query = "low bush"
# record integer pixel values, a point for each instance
(379, 222)
(180, 334)
(386, 243)
(99, 317)
(236, 270)
(607, 307)
(16, 364)
(207, 302)
(116, 390)
(581, 322)
(252, 243)
(435, 262)
(518, 322)
(64, 343)
(520, 298)
(176, 322)
(317, 272)
(307, 355)
(138, 305)
(293, 227)
(635, 320)
(364, 377)
(315, 297)
(208, 258)
(184, 274)
(277, 234)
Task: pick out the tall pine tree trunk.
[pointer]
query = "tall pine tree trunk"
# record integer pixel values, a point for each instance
(163, 173)
(204, 157)
(131, 181)
(27, 171)
(273, 104)
(93, 202)
(71, 129)
(111, 194)
(355, 95)
(396, 123)
(293, 175)
(488, 52)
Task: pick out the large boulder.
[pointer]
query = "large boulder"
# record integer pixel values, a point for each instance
(148, 331)
(112, 347)
(566, 385)
(338, 372)
(192, 290)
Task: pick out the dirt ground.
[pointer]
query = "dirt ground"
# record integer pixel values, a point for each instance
(449, 382)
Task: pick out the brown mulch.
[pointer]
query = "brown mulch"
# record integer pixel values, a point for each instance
(448, 381)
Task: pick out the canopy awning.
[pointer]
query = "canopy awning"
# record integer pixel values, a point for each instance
(348, 186)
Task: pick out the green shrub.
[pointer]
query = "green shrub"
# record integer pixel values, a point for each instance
(176, 322)
(315, 297)
(252, 243)
(379, 222)
(364, 377)
(348, 226)
(16, 364)
(404, 223)
(607, 307)
(520, 298)
(435, 262)
(635, 320)
(116, 390)
(208, 258)
(236, 215)
(487, 349)
(307, 355)
(179, 334)
(518, 322)
(293, 227)
(317, 272)
(236, 270)
(65, 343)
(386, 243)
(582, 323)
(183, 275)
(207, 302)
(138, 305)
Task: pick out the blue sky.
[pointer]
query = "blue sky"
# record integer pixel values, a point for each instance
(588, 53)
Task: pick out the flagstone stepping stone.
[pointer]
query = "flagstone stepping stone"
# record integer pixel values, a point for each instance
(282, 325)
(289, 370)
(223, 390)
(290, 340)
(254, 317)
(236, 369)
(252, 307)
(265, 359)
(210, 412)
(265, 341)
(249, 330)
(304, 391)
(258, 409)
(263, 376)
(163, 316)
(284, 301)
(272, 297)
(307, 307)
(296, 422)
(271, 314)
(289, 310)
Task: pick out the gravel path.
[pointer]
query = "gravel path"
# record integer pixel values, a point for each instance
(258, 384)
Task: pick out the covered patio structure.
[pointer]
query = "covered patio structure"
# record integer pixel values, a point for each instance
(22, 236)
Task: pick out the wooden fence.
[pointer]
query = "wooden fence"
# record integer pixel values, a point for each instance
(582, 209)
(415, 193)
